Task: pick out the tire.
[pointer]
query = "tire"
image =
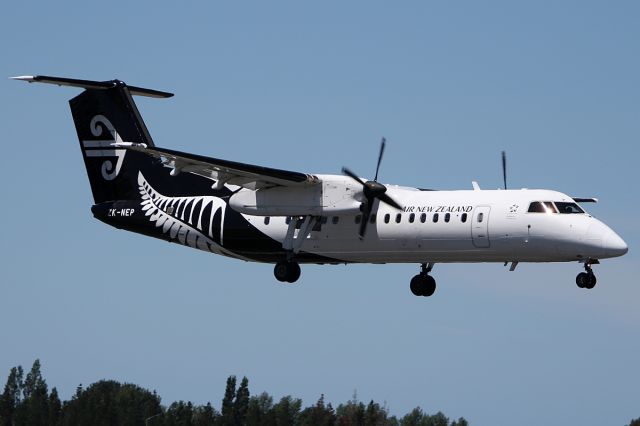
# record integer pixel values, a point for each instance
(294, 272)
(281, 271)
(416, 285)
(582, 279)
(429, 286)
(591, 281)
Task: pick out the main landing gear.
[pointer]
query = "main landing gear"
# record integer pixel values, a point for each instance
(288, 271)
(587, 279)
(423, 284)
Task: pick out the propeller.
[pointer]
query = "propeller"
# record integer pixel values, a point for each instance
(504, 168)
(372, 190)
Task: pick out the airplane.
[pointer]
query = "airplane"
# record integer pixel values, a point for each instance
(288, 218)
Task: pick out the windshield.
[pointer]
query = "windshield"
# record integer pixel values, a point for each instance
(568, 208)
(555, 207)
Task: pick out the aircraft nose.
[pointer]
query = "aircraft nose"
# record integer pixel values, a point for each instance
(613, 245)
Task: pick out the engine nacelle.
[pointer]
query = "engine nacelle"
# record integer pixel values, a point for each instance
(332, 196)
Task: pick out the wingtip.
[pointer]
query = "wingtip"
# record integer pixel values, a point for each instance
(28, 78)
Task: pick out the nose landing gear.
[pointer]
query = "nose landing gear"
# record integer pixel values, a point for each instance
(423, 284)
(587, 279)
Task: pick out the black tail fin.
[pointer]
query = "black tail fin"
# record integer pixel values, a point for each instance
(106, 115)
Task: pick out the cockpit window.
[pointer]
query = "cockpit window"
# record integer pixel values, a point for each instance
(542, 207)
(568, 208)
(536, 207)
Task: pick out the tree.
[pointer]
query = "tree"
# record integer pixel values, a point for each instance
(35, 410)
(227, 402)
(241, 403)
(204, 415)
(11, 397)
(375, 415)
(179, 413)
(352, 413)
(260, 411)
(462, 422)
(108, 402)
(55, 408)
(635, 422)
(414, 418)
(286, 411)
(319, 414)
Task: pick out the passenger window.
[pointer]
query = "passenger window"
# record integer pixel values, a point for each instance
(398, 217)
(463, 218)
(412, 217)
(435, 217)
(335, 220)
(266, 220)
(372, 219)
(323, 220)
(358, 219)
(480, 217)
(423, 217)
(447, 217)
(387, 217)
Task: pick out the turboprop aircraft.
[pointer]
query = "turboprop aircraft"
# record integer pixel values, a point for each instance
(288, 218)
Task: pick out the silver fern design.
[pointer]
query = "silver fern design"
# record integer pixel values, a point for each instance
(197, 222)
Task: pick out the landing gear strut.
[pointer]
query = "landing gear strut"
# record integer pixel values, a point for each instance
(586, 279)
(423, 284)
(287, 271)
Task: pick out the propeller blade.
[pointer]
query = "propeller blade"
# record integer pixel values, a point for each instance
(504, 168)
(352, 175)
(366, 214)
(382, 144)
(386, 199)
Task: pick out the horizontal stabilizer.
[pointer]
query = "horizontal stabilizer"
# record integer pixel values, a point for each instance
(95, 85)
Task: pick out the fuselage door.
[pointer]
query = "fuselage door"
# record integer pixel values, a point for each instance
(480, 226)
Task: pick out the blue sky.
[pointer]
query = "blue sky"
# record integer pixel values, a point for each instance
(313, 87)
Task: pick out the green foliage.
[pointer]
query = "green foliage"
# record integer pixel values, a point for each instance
(11, 397)
(635, 422)
(319, 414)
(286, 411)
(260, 410)
(241, 404)
(227, 402)
(26, 401)
(108, 402)
(418, 418)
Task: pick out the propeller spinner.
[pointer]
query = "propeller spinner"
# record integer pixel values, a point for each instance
(371, 190)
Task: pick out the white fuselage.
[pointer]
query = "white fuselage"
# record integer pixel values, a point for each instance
(459, 226)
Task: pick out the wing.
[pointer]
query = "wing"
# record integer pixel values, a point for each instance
(226, 172)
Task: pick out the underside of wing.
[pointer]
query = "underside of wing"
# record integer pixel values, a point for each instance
(226, 172)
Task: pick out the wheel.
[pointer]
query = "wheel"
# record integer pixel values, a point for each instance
(281, 271)
(287, 271)
(429, 286)
(294, 272)
(591, 281)
(423, 285)
(582, 279)
(416, 285)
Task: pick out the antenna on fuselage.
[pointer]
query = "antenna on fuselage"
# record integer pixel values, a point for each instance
(504, 168)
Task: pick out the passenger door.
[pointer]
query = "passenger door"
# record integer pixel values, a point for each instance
(480, 226)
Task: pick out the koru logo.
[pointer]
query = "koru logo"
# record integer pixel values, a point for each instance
(105, 147)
